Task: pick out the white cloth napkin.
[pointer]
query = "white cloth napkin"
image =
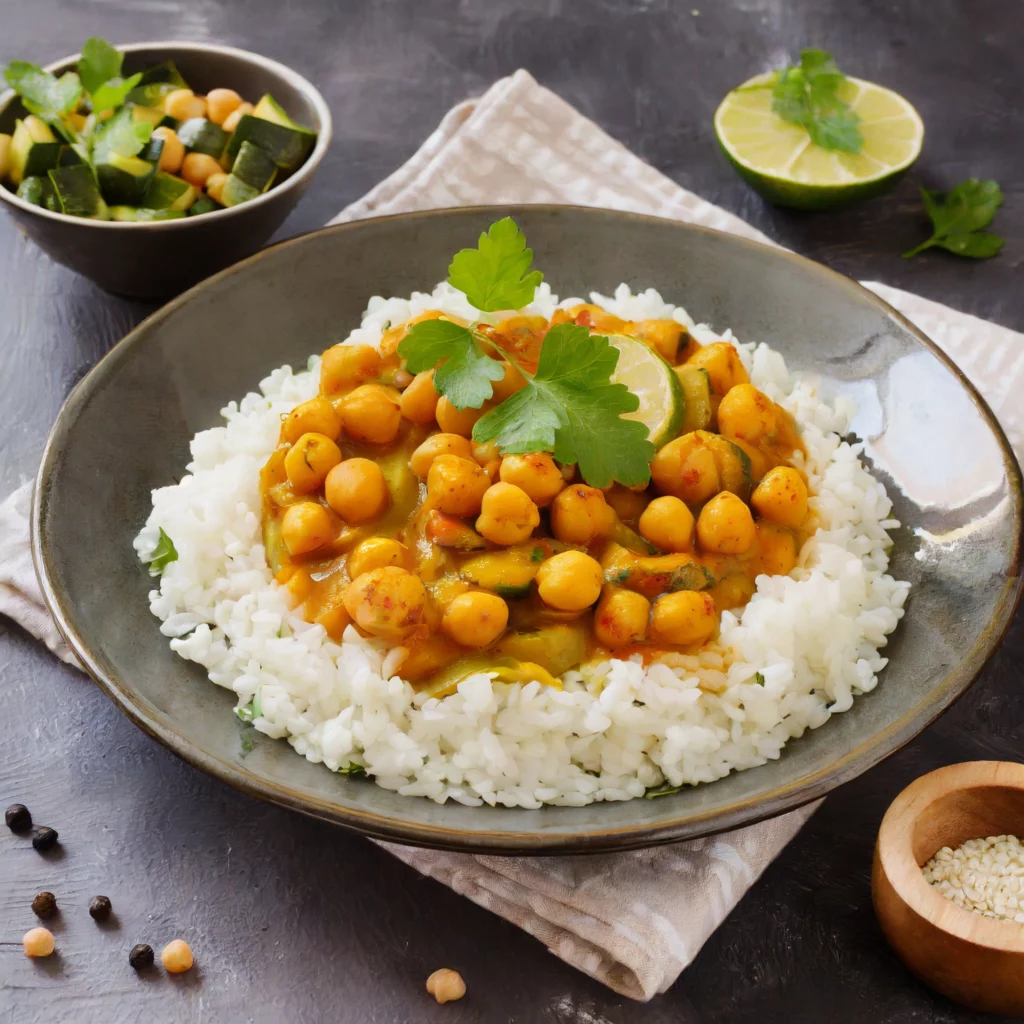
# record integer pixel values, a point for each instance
(631, 920)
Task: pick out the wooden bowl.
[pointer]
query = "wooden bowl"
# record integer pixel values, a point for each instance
(974, 960)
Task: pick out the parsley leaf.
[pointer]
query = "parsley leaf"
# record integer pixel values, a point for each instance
(958, 217)
(571, 408)
(120, 135)
(808, 95)
(759, 679)
(99, 63)
(114, 92)
(464, 377)
(43, 93)
(352, 770)
(663, 790)
(496, 275)
(163, 554)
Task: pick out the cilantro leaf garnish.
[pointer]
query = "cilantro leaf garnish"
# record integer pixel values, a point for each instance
(100, 70)
(496, 275)
(163, 554)
(958, 217)
(759, 678)
(808, 95)
(43, 93)
(570, 407)
(663, 790)
(352, 770)
(465, 375)
(121, 135)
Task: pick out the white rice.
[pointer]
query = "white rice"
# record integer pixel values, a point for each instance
(616, 729)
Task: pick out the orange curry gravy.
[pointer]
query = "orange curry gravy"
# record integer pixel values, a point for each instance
(451, 558)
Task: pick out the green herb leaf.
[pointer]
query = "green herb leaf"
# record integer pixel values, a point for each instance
(245, 712)
(352, 771)
(808, 95)
(663, 790)
(958, 217)
(99, 63)
(41, 92)
(120, 135)
(114, 92)
(163, 554)
(465, 372)
(759, 679)
(571, 408)
(496, 275)
(537, 555)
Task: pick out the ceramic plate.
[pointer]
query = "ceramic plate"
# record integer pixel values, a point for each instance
(125, 430)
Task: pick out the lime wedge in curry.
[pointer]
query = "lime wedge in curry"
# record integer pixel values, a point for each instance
(654, 382)
(782, 163)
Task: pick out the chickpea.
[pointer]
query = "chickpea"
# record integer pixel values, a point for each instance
(419, 399)
(456, 486)
(197, 167)
(305, 527)
(621, 617)
(344, 366)
(456, 421)
(316, 416)
(512, 382)
(781, 497)
(173, 152)
(664, 336)
(38, 942)
(570, 581)
(507, 515)
(628, 503)
(746, 413)
(183, 104)
(372, 413)
(668, 524)
(685, 617)
(536, 474)
(759, 464)
(435, 445)
(215, 186)
(725, 525)
(722, 362)
(220, 103)
(776, 549)
(579, 515)
(357, 491)
(446, 985)
(388, 602)
(176, 957)
(686, 468)
(335, 619)
(231, 121)
(485, 452)
(376, 553)
(475, 619)
(309, 461)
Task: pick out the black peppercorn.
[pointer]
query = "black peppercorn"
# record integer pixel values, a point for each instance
(141, 956)
(44, 837)
(18, 818)
(99, 908)
(45, 904)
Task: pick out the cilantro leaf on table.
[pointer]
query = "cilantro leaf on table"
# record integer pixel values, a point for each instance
(163, 554)
(571, 408)
(43, 93)
(958, 217)
(100, 71)
(808, 95)
(496, 275)
(464, 372)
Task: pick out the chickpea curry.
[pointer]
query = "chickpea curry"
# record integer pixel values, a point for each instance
(380, 511)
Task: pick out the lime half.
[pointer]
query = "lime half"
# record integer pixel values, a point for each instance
(654, 382)
(780, 161)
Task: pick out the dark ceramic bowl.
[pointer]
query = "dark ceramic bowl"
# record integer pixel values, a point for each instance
(162, 258)
(930, 438)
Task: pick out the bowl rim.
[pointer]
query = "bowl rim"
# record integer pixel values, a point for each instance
(744, 811)
(297, 81)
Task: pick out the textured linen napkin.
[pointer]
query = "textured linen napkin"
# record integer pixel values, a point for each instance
(631, 920)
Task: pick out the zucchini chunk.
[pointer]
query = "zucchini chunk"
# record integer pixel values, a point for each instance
(656, 575)
(77, 193)
(124, 179)
(155, 84)
(5, 155)
(288, 146)
(507, 573)
(154, 115)
(169, 192)
(696, 385)
(557, 648)
(505, 670)
(255, 167)
(236, 191)
(34, 149)
(199, 135)
(35, 189)
(204, 204)
(449, 532)
(154, 149)
(139, 214)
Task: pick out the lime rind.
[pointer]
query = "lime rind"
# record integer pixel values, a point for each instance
(653, 381)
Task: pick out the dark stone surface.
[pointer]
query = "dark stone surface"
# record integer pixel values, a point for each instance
(291, 919)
